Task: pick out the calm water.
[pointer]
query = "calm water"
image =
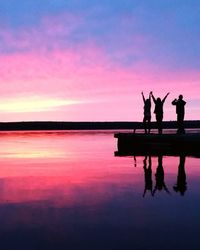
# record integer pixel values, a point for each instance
(67, 190)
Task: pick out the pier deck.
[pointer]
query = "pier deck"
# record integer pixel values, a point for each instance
(154, 144)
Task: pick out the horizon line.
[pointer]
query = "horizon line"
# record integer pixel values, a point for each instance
(89, 121)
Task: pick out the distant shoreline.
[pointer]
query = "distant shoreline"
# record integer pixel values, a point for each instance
(52, 125)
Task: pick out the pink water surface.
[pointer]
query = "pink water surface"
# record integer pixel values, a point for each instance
(58, 183)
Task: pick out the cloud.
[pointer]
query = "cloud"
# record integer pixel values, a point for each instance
(100, 58)
(99, 88)
(52, 32)
(162, 33)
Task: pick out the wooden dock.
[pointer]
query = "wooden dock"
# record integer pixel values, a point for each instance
(158, 144)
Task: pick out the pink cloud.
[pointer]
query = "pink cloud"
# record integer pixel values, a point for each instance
(106, 89)
(47, 35)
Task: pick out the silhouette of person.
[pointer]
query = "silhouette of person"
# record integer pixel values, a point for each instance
(181, 184)
(180, 111)
(159, 111)
(147, 113)
(148, 176)
(159, 176)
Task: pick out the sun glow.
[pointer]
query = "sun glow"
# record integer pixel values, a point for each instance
(33, 151)
(33, 104)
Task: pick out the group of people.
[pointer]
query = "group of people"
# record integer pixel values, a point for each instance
(180, 186)
(180, 111)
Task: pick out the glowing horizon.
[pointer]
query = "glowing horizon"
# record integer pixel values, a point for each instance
(33, 104)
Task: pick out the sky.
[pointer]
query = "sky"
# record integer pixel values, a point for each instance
(89, 60)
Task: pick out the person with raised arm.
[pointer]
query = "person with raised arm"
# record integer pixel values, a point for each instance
(147, 113)
(159, 111)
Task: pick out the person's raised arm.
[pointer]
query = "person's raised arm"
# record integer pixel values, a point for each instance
(150, 96)
(165, 188)
(143, 96)
(154, 191)
(154, 99)
(174, 102)
(165, 98)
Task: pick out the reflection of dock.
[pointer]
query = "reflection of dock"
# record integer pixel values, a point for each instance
(154, 144)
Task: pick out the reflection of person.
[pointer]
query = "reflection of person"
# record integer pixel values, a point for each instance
(135, 161)
(159, 176)
(159, 111)
(181, 184)
(147, 175)
(147, 113)
(180, 111)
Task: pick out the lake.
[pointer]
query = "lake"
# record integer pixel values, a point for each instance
(67, 190)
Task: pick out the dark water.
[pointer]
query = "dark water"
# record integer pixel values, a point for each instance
(66, 190)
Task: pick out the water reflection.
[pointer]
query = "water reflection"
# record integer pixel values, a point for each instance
(160, 177)
(181, 184)
(160, 184)
(78, 196)
(148, 176)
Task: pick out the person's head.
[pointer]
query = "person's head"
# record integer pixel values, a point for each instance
(180, 97)
(158, 99)
(147, 102)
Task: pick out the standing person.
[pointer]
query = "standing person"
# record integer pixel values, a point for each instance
(159, 111)
(180, 111)
(147, 113)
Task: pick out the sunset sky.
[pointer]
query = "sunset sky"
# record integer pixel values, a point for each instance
(89, 60)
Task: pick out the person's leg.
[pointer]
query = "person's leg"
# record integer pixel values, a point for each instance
(180, 120)
(181, 123)
(159, 123)
(145, 125)
(160, 127)
(178, 124)
(149, 124)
